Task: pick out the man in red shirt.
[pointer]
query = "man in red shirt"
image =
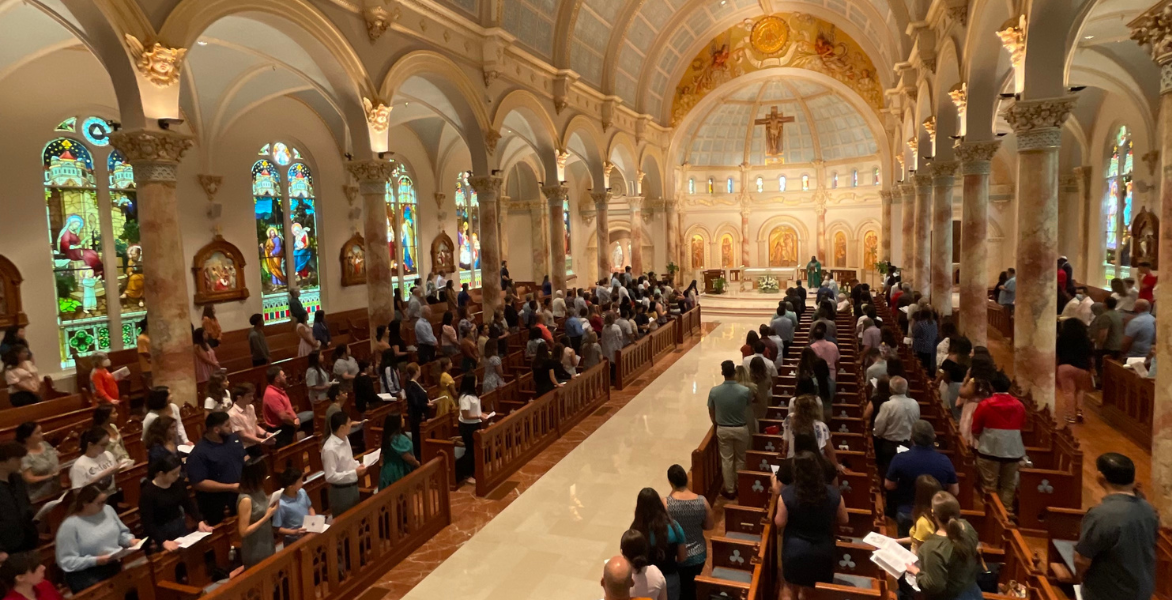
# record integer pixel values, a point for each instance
(277, 410)
(997, 424)
(1147, 282)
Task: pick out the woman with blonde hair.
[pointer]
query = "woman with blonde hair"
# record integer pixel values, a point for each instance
(947, 569)
(764, 384)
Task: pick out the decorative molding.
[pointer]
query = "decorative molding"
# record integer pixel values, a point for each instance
(1013, 38)
(601, 199)
(351, 193)
(922, 181)
(369, 172)
(1038, 123)
(1153, 31)
(491, 137)
(960, 12)
(930, 127)
(486, 187)
(913, 144)
(885, 195)
(211, 185)
(1152, 160)
(155, 155)
(944, 172)
(158, 63)
(960, 97)
(976, 158)
(378, 116)
(555, 194)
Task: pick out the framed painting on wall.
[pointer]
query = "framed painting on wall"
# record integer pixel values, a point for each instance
(443, 254)
(353, 258)
(10, 306)
(218, 269)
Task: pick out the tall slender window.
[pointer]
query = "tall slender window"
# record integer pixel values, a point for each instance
(94, 240)
(805, 183)
(834, 181)
(468, 231)
(729, 185)
(711, 185)
(284, 203)
(401, 203)
(855, 178)
(875, 176)
(691, 186)
(760, 184)
(781, 183)
(1117, 204)
(566, 220)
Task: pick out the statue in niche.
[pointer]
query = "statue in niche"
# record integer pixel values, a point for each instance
(1145, 233)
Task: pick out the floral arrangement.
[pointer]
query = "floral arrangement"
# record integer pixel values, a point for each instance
(768, 284)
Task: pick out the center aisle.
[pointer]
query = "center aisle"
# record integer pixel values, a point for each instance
(552, 541)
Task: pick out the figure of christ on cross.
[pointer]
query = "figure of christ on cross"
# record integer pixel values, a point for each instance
(774, 123)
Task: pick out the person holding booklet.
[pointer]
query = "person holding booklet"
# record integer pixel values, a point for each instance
(948, 563)
(242, 417)
(90, 540)
(95, 465)
(342, 471)
(254, 514)
(166, 504)
(292, 507)
(471, 419)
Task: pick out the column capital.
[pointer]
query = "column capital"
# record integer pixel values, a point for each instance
(155, 155)
(486, 186)
(555, 194)
(1153, 31)
(885, 195)
(372, 175)
(601, 199)
(906, 190)
(636, 203)
(922, 180)
(1038, 123)
(943, 172)
(976, 158)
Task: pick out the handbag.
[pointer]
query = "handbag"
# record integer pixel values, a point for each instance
(988, 576)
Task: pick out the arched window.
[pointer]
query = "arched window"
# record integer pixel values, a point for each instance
(711, 185)
(100, 290)
(760, 184)
(467, 231)
(805, 183)
(691, 186)
(875, 176)
(834, 181)
(781, 183)
(1117, 202)
(855, 178)
(729, 185)
(401, 210)
(279, 179)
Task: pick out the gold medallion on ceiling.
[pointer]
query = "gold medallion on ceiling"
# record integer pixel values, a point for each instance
(769, 35)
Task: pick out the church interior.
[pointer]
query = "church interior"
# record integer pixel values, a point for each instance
(197, 192)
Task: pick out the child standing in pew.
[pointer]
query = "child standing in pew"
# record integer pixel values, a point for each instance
(948, 565)
(293, 506)
(923, 527)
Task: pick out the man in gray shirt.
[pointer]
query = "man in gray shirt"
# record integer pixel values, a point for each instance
(1140, 333)
(1116, 552)
(893, 424)
(727, 404)
(783, 326)
(258, 346)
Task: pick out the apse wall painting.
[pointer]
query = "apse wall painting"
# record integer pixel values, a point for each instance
(793, 40)
(783, 247)
(726, 251)
(870, 250)
(840, 249)
(697, 252)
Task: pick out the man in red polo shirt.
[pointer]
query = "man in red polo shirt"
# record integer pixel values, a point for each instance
(277, 410)
(1147, 282)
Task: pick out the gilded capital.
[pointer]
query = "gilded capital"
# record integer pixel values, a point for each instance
(1013, 38)
(944, 171)
(960, 97)
(370, 171)
(155, 155)
(1048, 113)
(922, 180)
(378, 115)
(601, 199)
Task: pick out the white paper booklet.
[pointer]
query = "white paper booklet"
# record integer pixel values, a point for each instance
(121, 374)
(371, 458)
(275, 497)
(185, 448)
(191, 539)
(315, 524)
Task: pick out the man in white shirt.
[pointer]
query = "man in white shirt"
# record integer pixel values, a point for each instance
(1079, 306)
(759, 350)
(559, 304)
(893, 424)
(341, 470)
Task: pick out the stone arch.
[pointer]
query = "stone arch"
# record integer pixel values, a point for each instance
(530, 109)
(652, 164)
(834, 228)
(947, 76)
(445, 75)
(861, 252)
(984, 71)
(689, 250)
(805, 244)
(583, 138)
(925, 108)
(329, 48)
(621, 152)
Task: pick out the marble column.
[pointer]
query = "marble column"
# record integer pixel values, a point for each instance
(155, 156)
(745, 254)
(1153, 29)
(820, 231)
(636, 204)
(554, 195)
(503, 226)
(943, 178)
(672, 226)
(922, 258)
(372, 176)
(488, 190)
(1038, 125)
(976, 163)
(1082, 179)
(907, 231)
(885, 226)
(602, 231)
(539, 219)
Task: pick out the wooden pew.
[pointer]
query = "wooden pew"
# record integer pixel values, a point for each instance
(1128, 402)
(705, 476)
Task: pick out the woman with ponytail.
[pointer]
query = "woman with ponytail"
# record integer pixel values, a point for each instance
(947, 569)
(649, 581)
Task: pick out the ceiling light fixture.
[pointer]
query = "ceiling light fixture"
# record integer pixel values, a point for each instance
(1088, 37)
(202, 42)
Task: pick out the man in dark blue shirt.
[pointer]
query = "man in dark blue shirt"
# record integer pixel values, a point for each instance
(214, 468)
(921, 459)
(464, 298)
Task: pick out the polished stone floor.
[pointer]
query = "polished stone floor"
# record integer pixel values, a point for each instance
(551, 541)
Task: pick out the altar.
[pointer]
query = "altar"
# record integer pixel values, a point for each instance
(768, 280)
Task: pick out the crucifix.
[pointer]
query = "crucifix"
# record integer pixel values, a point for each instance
(773, 123)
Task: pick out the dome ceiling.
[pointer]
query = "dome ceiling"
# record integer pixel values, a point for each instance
(825, 126)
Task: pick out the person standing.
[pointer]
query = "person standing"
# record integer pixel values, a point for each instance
(1008, 295)
(694, 515)
(808, 513)
(905, 467)
(1140, 332)
(88, 540)
(1147, 282)
(471, 418)
(214, 468)
(1116, 552)
(143, 349)
(277, 410)
(17, 531)
(893, 423)
(997, 424)
(727, 404)
(947, 566)
(1106, 332)
(1074, 368)
(23, 576)
(254, 514)
(258, 346)
(814, 273)
(425, 341)
(342, 471)
(417, 408)
(398, 459)
(923, 335)
(296, 309)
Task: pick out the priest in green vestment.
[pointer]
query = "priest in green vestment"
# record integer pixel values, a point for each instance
(814, 273)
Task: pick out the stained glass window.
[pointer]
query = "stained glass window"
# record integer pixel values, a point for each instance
(760, 184)
(75, 238)
(270, 235)
(855, 178)
(467, 231)
(834, 181)
(729, 185)
(281, 154)
(1117, 207)
(124, 218)
(781, 183)
(711, 185)
(68, 125)
(875, 176)
(805, 183)
(403, 204)
(96, 131)
(303, 236)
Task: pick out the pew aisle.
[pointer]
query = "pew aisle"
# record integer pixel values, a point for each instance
(551, 541)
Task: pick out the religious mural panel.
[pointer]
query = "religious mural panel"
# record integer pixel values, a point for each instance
(218, 271)
(783, 247)
(726, 251)
(697, 252)
(353, 261)
(870, 250)
(840, 249)
(792, 40)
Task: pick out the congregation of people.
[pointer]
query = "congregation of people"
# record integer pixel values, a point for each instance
(665, 548)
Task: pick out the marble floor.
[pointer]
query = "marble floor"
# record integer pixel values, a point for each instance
(551, 541)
